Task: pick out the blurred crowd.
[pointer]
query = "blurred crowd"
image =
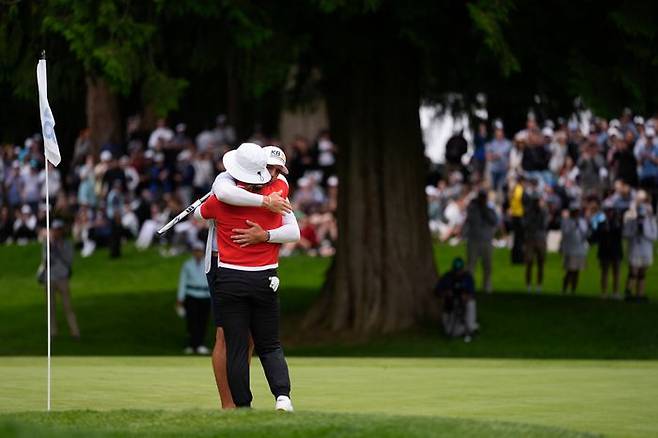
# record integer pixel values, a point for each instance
(553, 186)
(130, 190)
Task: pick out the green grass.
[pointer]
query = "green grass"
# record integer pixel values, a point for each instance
(442, 397)
(136, 423)
(125, 307)
(512, 381)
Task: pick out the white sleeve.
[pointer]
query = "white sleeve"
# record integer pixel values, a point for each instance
(225, 189)
(197, 213)
(286, 233)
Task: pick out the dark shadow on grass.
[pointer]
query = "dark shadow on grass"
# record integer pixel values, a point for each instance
(513, 326)
(155, 423)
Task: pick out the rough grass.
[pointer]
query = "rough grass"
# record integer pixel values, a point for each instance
(125, 307)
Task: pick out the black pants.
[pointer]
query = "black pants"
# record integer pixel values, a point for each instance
(114, 242)
(518, 256)
(246, 302)
(211, 276)
(196, 316)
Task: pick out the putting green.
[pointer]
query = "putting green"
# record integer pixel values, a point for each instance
(615, 398)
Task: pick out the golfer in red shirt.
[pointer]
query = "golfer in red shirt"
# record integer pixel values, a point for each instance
(245, 297)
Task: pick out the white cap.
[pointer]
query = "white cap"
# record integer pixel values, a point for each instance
(650, 131)
(431, 191)
(25, 209)
(547, 132)
(614, 132)
(276, 157)
(106, 156)
(248, 163)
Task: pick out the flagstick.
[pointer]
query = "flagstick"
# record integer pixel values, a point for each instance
(43, 56)
(48, 274)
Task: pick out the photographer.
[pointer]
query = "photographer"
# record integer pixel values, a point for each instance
(535, 226)
(574, 246)
(641, 231)
(607, 228)
(459, 315)
(479, 229)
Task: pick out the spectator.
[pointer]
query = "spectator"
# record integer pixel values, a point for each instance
(302, 160)
(497, 154)
(558, 151)
(591, 166)
(14, 186)
(479, 229)
(574, 246)
(82, 148)
(87, 186)
(6, 225)
(193, 300)
(623, 164)
(535, 226)
(54, 182)
(25, 226)
(115, 204)
(456, 147)
(641, 231)
(459, 313)
(516, 214)
(223, 132)
(326, 153)
(607, 228)
(61, 262)
(31, 186)
(647, 157)
(161, 133)
(478, 160)
(309, 196)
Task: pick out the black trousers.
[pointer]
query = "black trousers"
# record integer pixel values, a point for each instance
(196, 316)
(211, 276)
(518, 256)
(246, 303)
(114, 242)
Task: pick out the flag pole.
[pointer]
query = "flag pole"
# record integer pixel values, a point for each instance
(43, 56)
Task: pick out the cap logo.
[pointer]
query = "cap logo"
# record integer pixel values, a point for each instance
(260, 176)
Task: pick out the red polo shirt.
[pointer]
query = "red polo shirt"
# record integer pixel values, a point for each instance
(227, 217)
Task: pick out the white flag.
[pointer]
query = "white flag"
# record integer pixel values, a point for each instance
(50, 146)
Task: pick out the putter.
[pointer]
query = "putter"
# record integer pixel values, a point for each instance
(183, 214)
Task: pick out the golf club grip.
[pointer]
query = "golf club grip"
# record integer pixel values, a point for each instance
(183, 214)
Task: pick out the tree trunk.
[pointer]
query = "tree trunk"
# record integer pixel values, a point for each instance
(103, 118)
(383, 274)
(233, 91)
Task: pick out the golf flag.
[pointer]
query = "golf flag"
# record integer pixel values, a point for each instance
(50, 146)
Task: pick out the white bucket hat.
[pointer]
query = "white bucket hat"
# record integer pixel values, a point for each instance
(248, 164)
(276, 157)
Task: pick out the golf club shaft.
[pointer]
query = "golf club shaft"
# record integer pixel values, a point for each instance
(183, 214)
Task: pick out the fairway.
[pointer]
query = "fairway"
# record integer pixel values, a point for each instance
(614, 398)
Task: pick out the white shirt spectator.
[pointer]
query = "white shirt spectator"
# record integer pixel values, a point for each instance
(54, 182)
(160, 133)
